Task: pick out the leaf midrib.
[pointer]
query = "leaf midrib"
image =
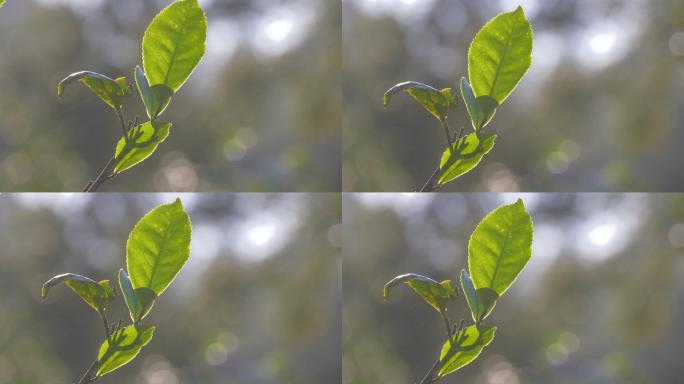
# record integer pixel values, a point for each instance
(503, 59)
(175, 50)
(498, 259)
(156, 262)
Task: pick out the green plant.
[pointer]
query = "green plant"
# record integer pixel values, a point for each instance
(157, 248)
(172, 47)
(498, 250)
(498, 58)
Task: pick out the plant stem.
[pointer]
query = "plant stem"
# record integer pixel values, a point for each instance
(105, 174)
(89, 375)
(430, 376)
(432, 184)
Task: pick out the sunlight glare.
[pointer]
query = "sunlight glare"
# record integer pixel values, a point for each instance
(602, 235)
(279, 30)
(603, 43)
(260, 235)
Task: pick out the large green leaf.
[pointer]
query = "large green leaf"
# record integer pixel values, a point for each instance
(143, 141)
(156, 98)
(468, 151)
(93, 293)
(158, 247)
(433, 100)
(467, 345)
(109, 90)
(126, 344)
(174, 44)
(434, 293)
(500, 247)
(500, 55)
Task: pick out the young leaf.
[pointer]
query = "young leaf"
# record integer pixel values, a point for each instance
(174, 44)
(155, 98)
(476, 306)
(467, 345)
(433, 100)
(2, 2)
(132, 302)
(481, 109)
(158, 247)
(143, 141)
(434, 293)
(500, 247)
(469, 151)
(93, 293)
(109, 90)
(500, 55)
(126, 345)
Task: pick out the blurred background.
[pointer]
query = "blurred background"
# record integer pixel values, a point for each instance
(600, 109)
(258, 302)
(260, 113)
(601, 300)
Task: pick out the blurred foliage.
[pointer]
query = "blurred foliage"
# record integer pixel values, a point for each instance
(261, 113)
(250, 306)
(601, 300)
(600, 109)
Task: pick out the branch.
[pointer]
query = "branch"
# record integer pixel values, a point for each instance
(432, 184)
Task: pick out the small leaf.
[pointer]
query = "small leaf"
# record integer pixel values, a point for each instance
(109, 90)
(155, 98)
(467, 345)
(500, 55)
(2, 2)
(143, 141)
(158, 247)
(433, 100)
(434, 293)
(500, 247)
(481, 109)
(469, 151)
(93, 293)
(174, 44)
(132, 302)
(126, 345)
(476, 307)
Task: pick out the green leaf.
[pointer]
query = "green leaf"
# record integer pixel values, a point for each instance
(126, 344)
(468, 151)
(433, 100)
(500, 247)
(481, 109)
(467, 345)
(109, 90)
(2, 2)
(434, 293)
(93, 293)
(155, 98)
(174, 44)
(481, 301)
(500, 55)
(158, 247)
(142, 142)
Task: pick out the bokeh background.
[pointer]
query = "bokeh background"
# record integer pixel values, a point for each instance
(258, 302)
(260, 113)
(600, 109)
(601, 300)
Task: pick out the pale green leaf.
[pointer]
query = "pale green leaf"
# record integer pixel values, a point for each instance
(155, 98)
(95, 294)
(468, 152)
(111, 91)
(467, 345)
(174, 44)
(158, 247)
(500, 55)
(435, 101)
(126, 345)
(500, 247)
(142, 142)
(434, 293)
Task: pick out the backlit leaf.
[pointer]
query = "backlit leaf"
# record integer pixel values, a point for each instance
(155, 98)
(434, 293)
(158, 247)
(433, 100)
(174, 44)
(500, 55)
(143, 141)
(500, 247)
(467, 345)
(126, 345)
(93, 293)
(109, 90)
(469, 151)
